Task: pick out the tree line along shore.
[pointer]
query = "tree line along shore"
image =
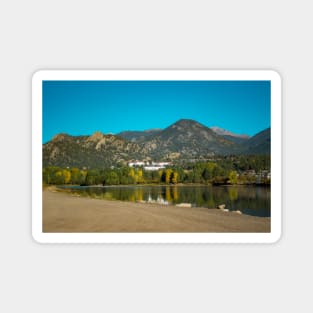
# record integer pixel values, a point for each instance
(231, 170)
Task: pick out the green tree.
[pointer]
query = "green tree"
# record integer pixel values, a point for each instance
(196, 177)
(206, 174)
(112, 178)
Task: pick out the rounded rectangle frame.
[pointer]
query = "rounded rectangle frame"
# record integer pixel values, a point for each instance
(206, 75)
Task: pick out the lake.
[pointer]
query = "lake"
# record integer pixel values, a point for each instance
(251, 200)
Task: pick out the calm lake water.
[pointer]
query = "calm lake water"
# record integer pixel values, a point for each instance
(251, 200)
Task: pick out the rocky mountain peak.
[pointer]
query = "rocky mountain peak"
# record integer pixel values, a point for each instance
(60, 137)
(96, 136)
(225, 132)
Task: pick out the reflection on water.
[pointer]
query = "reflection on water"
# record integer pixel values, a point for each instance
(252, 200)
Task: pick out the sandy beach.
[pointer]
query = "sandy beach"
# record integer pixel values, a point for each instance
(63, 212)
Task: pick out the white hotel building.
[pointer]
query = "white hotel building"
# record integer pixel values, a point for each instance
(146, 166)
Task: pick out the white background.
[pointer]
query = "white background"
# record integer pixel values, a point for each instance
(161, 34)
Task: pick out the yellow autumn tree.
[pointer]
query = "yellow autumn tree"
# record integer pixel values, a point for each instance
(75, 175)
(132, 175)
(139, 176)
(66, 176)
(168, 173)
(59, 178)
(174, 177)
(233, 177)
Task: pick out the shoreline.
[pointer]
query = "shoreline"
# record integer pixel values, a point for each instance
(64, 212)
(169, 185)
(190, 205)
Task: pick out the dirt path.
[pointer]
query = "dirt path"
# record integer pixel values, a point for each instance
(63, 212)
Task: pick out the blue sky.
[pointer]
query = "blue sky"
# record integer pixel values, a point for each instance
(83, 107)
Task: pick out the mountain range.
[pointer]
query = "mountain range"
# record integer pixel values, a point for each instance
(184, 140)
